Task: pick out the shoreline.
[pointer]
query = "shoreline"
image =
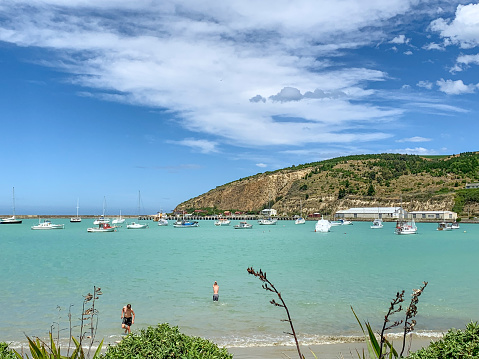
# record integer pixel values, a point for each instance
(322, 351)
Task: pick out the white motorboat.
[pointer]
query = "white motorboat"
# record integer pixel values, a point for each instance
(162, 219)
(101, 220)
(162, 222)
(444, 226)
(134, 225)
(377, 224)
(102, 227)
(323, 225)
(341, 222)
(12, 219)
(455, 225)
(118, 220)
(47, 224)
(76, 219)
(405, 227)
(222, 222)
(300, 220)
(185, 224)
(267, 221)
(243, 225)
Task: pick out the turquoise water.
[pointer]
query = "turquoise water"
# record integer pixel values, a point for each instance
(167, 275)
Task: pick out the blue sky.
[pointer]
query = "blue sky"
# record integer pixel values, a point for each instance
(173, 98)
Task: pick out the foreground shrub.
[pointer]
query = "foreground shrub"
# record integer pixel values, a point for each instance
(164, 342)
(456, 344)
(6, 353)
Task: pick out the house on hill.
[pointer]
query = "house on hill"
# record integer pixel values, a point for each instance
(269, 212)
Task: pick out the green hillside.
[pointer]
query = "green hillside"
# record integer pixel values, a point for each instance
(417, 182)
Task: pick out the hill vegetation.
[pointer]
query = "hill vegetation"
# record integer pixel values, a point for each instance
(415, 182)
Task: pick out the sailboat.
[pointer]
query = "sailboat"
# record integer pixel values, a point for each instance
(102, 218)
(77, 218)
(300, 220)
(12, 219)
(118, 220)
(134, 225)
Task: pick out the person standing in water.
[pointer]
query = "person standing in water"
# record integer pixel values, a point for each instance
(128, 316)
(216, 288)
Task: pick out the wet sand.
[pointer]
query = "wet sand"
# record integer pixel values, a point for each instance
(325, 351)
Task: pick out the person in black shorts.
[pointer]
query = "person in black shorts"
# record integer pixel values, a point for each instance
(128, 316)
(216, 288)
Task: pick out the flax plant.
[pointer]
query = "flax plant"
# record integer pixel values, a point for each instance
(267, 285)
(384, 348)
(89, 323)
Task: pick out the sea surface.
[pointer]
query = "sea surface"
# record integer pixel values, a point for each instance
(167, 274)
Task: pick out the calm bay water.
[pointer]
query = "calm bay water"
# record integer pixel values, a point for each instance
(167, 275)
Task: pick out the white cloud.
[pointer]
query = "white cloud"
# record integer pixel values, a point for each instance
(425, 84)
(433, 46)
(414, 139)
(233, 71)
(455, 87)
(261, 165)
(463, 30)
(409, 52)
(400, 39)
(463, 61)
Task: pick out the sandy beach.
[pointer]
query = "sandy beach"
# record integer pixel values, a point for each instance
(324, 351)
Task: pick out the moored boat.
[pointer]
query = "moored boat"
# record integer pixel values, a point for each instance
(102, 218)
(377, 224)
(341, 222)
(102, 227)
(118, 220)
(405, 227)
(76, 219)
(162, 222)
(222, 222)
(185, 224)
(243, 225)
(134, 225)
(455, 225)
(444, 226)
(12, 219)
(300, 220)
(47, 224)
(267, 221)
(322, 225)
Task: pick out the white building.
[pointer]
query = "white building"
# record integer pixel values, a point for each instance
(269, 212)
(472, 185)
(434, 215)
(372, 212)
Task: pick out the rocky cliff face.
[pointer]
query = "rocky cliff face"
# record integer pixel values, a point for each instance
(318, 190)
(250, 194)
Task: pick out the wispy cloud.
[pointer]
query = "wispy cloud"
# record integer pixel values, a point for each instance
(414, 139)
(229, 71)
(202, 146)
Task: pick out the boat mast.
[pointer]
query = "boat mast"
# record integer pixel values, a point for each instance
(13, 200)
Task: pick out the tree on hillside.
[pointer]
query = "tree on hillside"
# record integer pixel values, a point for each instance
(371, 190)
